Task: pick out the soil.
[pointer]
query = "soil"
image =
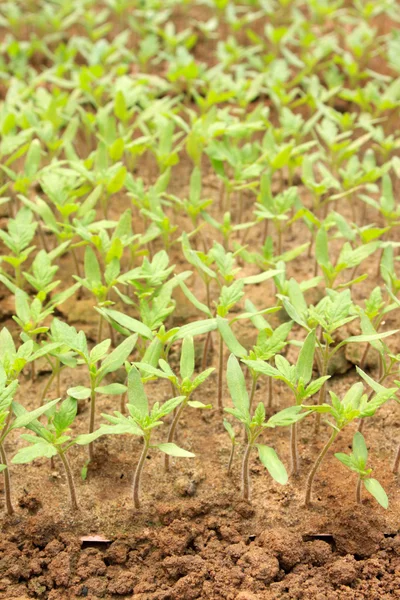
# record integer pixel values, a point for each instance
(195, 538)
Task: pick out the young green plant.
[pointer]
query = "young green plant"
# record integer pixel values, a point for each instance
(356, 461)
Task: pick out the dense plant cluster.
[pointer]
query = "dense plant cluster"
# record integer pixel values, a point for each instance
(220, 132)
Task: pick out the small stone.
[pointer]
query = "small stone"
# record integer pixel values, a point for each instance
(343, 571)
(185, 486)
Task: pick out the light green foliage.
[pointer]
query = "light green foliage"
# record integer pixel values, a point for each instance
(357, 462)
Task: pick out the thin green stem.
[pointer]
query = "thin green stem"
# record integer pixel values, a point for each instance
(46, 387)
(91, 419)
(138, 474)
(315, 467)
(246, 490)
(7, 481)
(70, 480)
(358, 491)
(231, 456)
(294, 453)
(253, 390)
(396, 463)
(220, 373)
(171, 433)
(270, 393)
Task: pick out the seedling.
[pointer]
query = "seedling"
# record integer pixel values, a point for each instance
(255, 425)
(52, 439)
(21, 232)
(184, 385)
(10, 419)
(357, 461)
(98, 363)
(355, 404)
(141, 421)
(298, 378)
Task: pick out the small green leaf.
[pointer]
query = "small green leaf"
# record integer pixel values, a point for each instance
(305, 361)
(197, 404)
(360, 450)
(30, 453)
(230, 430)
(237, 385)
(113, 389)
(27, 417)
(174, 450)
(377, 491)
(229, 338)
(136, 394)
(79, 392)
(272, 463)
(187, 358)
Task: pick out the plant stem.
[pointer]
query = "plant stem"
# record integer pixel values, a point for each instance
(231, 458)
(138, 474)
(322, 391)
(293, 449)
(315, 467)
(253, 390)
(220, 372)
(46, 388)
(246, 492)
(91, 419)
(7, 482)
(100, 329)
(58, 379)
(270, 393)
(171, 432)
(76, 262)
(358, 491)
(123, 402)
(396, 463)
(205, 351)
(70, 480)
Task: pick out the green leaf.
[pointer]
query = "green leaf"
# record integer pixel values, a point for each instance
(197, 404)
(92, 268)
(120, 429)
(259, 366)
(348, 461)
(287, 416)
(117, 357)
(129, 323)
(230, 430)
(229, 338)
(187, 358)
(376, 490)
(192, 298)
(305, 361)
(174, 450)
(196, 328)
(30, 453)
(272, 463)
(237, 385)
(113, 389)
(24, 419)
(136, 394)
(360, 450)
(79, 392)
(65, 415)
